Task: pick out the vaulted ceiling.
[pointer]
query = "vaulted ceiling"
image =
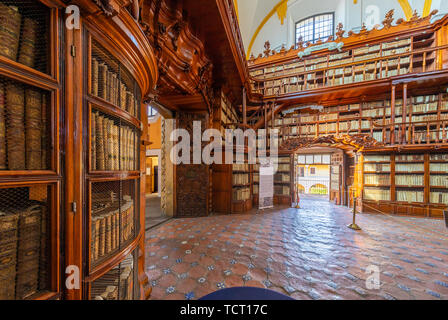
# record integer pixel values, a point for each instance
(261, 20)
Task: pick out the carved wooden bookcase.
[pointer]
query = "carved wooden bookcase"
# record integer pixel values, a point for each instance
(31, 176)
(52, 186)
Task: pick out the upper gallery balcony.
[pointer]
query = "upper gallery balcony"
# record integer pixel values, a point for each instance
(404, 49)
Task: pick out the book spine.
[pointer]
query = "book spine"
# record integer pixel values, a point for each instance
(95, 77)
(15, 130)
(102, 80)
(96, 252)
(100, 143)
(108, 233)
(28, 40)
(44, 135)
(102, 242)
(2, 128)
(93, 139)
(10, 21)
(33, 132)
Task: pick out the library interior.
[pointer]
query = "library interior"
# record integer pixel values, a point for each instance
(347, 98)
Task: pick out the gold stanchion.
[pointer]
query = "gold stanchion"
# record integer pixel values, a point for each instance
(297, 200)
(354, 226)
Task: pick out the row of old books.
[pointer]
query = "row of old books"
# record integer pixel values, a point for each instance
(376, 194)
(283, 167)
(410, 196)
(23, 251)
(439, 180)
(117, 284)
(113, 147)
(439, 197)
(112, 226)
(241, 167)
(410, 167)
(240, 194)
(409, 180)
(107, 85)
(409, 157)
(438, 167)
(374, 167)
(281, 190)
(240, 179)
(373, 179)
(18, 35)
(282, 177)
(439, 157)
(23, 127)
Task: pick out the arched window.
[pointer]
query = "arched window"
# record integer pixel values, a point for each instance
(315, 28)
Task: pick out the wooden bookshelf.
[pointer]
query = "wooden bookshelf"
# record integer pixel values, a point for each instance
(30, 159)
(113, 214)
(413, 188)
(284, 181)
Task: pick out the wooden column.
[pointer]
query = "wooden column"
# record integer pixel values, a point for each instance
(272, 115)
(404, 112)
(392, 115)
(244, 106)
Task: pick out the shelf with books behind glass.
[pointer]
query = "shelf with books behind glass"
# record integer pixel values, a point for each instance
(113, 219)
(30, 170)
(111, 86)
(113, 153)
(242, 181)
(283, 180)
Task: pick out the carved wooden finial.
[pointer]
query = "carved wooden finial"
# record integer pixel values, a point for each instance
(415, 16)
(389, 19)
(364, 27)
(252, 57)
(340, 30)
(267, 48)
(300, 42)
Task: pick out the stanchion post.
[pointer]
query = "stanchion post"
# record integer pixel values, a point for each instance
(354, 226)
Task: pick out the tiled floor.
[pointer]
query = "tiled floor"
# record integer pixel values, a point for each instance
(307, 254)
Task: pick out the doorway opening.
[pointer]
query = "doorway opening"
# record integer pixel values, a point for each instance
(154, 178)
(324, 173)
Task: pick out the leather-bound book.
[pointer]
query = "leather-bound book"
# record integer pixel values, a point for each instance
(8, 254)
(15, 126)
(28, 252)
(33, 113)
(44, 134)
(122, 96)
(102, 242)
(108, 85)
(110, 144)
(94, 76)
(97, 223)
(2, 128)
(113, 91)
(100, 158)
(108, 237)
(116, 148)
(117, 228)
(128, 101)
(44, 246)
(102, 80)
(93, 140)
(10, 21)
(27, 51)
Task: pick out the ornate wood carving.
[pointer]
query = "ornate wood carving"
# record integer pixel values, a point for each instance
(389, 19)
(180, 54)
(357, 142)
(106, 7)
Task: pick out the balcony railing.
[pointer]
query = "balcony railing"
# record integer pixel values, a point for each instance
(331, 74)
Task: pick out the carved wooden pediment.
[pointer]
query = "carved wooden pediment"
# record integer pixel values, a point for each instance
(357, 142)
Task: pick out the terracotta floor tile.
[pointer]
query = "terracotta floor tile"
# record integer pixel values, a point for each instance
(307, 254)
